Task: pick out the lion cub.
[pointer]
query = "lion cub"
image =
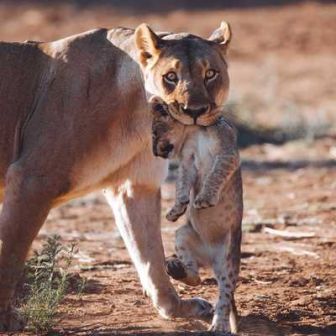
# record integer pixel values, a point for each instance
(207, 152)
(209, 179)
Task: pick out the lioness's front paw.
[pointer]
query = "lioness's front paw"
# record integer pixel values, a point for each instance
(11, 320)
(176, 212)
(203, 201)
(197, 308)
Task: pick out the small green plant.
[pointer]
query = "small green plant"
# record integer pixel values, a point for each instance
(47, 277)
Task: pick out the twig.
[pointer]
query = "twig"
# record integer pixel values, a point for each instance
(289, 234)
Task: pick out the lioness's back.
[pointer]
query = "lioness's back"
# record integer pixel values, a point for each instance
(77, 72)
(21, 65)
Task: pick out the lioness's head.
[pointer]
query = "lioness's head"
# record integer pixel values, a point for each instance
(188, 72)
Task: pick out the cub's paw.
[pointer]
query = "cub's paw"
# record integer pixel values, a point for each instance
(11, 320)
(221, 326)
(176, 212)
(203, 201)
(175, 268)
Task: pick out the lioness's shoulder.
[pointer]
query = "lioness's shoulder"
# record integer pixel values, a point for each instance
(85, 40)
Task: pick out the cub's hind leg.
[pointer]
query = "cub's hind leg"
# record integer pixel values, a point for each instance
(226, 266)
(184, 267)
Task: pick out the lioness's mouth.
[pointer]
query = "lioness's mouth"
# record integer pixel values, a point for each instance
(202, 116)
(206, 119)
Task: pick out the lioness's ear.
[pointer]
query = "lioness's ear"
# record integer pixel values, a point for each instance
(148, 43)
(222, 36)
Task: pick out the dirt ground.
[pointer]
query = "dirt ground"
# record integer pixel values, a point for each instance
(283, 73)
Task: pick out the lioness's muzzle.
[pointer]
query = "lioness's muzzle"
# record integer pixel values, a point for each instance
(195, 111)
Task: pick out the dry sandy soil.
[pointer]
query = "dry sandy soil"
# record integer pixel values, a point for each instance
(283, 72)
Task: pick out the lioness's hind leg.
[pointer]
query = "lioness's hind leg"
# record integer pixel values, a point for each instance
(26, 205)
(185, 266)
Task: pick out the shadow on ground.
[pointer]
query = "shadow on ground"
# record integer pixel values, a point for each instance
(250, 325)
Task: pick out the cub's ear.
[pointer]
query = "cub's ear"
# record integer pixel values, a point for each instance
(148, 44)
(222, 36)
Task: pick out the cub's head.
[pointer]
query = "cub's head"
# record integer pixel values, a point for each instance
(167, 133)
(188, 72)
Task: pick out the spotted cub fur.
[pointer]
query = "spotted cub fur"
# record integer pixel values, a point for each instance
(209, 188)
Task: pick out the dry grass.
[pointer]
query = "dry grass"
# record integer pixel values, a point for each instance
(46, 284)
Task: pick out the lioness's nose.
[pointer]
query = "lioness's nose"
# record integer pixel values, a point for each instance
(195, 111)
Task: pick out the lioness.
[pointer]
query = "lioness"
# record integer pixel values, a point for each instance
(209, 169)
(74, 118)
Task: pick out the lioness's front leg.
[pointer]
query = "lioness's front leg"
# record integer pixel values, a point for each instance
(136, 208)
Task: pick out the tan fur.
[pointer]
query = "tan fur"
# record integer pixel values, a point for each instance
(73, 119)
(209, 174)
(190, 61)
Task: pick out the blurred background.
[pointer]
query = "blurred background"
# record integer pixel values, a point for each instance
(283, 72)
(282, 55)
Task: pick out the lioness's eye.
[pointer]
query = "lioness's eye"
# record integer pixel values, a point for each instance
(210, 74)
(170, 77)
